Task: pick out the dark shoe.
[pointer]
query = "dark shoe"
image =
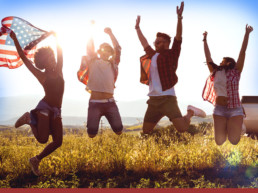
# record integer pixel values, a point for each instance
(34, 164)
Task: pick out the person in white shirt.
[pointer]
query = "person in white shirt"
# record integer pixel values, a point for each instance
(99, 74)
(158, 71)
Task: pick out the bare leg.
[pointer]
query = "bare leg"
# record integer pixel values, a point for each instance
(57, 135)
(148, 127)
(182, 123)
(220, 129)
(41, 132)
(234, 126)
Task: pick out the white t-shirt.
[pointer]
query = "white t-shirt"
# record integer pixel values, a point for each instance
(155, 88)
(220, 83)
(101, 76)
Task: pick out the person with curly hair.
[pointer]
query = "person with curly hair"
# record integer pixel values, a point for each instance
(45, 119)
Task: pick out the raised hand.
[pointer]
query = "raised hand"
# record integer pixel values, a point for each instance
(248, 28)
(137, 25)
(205, 35)
(180, 10)
(108, 30)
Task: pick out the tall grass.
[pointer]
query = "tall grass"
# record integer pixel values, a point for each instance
(163, 159)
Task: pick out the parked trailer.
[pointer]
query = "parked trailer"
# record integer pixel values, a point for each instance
(250, 105)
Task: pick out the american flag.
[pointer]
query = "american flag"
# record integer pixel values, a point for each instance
(208, 93)
(28, 36)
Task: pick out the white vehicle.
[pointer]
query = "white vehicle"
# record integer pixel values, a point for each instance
(250, 104)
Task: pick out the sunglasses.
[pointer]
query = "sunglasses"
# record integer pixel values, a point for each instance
(158, 42)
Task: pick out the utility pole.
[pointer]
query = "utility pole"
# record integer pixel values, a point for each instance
(101, 126)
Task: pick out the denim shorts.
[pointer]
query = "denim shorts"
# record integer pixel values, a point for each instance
(228, 112)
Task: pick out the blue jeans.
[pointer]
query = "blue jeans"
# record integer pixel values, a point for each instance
(109, 110)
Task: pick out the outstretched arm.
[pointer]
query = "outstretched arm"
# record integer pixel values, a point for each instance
(241, 57)
(108, 31)
(115, 43)
(59, 63)
(141, 37)
(91, 49)
(207, 51)
(37, 73)
(179, 21)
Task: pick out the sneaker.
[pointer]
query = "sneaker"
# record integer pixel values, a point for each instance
(24, 119)
(34, 164)
(197, 112)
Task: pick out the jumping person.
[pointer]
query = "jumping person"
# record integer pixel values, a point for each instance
(221, 89)
(46, 118)
(158, 70)
(99, 75)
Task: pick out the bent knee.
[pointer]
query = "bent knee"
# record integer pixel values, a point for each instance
(42, 140)
(220, 141)
(118, 129)
(182, 129)
(234, 141)
(92, 135)
(58, 143)
(147, 130)
(119, 133)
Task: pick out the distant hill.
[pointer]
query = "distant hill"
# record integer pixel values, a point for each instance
(13, 107)
(74, 112)
(127, 121)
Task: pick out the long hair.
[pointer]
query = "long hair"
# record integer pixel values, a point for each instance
(230, 64)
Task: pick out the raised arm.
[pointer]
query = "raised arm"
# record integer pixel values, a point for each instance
(179, 21)
(141, 37)
(241, 57)
(115, 43)
(37, 73)
(207, 51)
(59, 64)
(91, 49)
(108, 31)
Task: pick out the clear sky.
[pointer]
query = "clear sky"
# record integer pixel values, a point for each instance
(224, 20)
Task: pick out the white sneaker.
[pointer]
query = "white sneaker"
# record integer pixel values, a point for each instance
(34, 164)
(197, 112)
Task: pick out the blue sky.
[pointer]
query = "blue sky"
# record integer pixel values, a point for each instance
(224, 20)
